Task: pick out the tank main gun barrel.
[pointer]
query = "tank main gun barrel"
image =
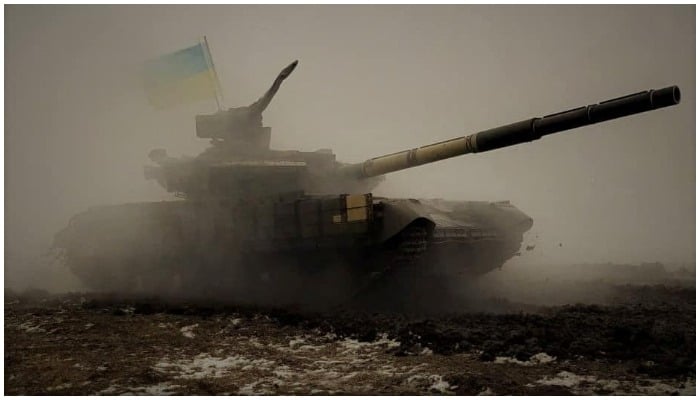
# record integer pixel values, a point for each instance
(519, 132)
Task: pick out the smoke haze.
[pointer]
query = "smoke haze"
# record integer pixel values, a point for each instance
(371, 80)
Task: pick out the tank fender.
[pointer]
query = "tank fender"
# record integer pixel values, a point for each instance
(400, 213)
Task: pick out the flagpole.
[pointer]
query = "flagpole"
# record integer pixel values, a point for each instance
(217, 87)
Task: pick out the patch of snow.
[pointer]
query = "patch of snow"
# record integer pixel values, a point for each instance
(112, 389)
(349, 376)
(59, 387)
(325, 361)
(566, 379)
(187, 331)
(323, 391)
(609, 385)
(31, 328)
(417, 368)
(310, 347)
(128, 310)
(486, 392)
(440, 385)
(236, 321)
(295, 346)
(283, 371)
(324, 373)
(206, 366)
(416, 379)
(329, 375)
(358, 360)
(257, 317)
(510, 360)
(250, 389)
(387, 370)
(542, 358)
(159, 389)
(353, 345)
(390, 343)
(426, 352)
(539, 358)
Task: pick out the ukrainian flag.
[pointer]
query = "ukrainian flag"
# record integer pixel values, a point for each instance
(181, 77)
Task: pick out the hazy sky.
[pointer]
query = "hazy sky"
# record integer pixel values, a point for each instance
(371, 80)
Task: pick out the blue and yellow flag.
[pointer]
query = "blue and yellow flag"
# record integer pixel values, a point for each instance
(181, 77)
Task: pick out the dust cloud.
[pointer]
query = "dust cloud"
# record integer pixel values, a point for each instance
(371, 80)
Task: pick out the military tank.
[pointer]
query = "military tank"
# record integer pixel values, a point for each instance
(249, 215)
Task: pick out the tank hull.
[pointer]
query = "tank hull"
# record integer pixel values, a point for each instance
(337, 245)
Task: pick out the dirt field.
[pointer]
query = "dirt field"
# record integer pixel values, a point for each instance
(640, 341)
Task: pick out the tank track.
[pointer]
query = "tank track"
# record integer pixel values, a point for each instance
(412, 244)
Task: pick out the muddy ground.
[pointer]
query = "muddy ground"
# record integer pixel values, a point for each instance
(638, 339)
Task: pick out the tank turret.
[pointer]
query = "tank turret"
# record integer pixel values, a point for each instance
(240, 130)
(240, 162)
(516, 133)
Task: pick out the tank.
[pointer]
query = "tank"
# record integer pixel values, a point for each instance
(250, 219)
